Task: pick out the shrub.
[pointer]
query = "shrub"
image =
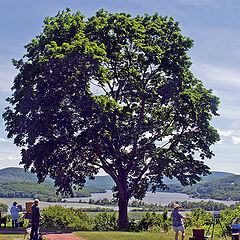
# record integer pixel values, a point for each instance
(148, 220)
(3, 207)
(106, 222)
(60, 217)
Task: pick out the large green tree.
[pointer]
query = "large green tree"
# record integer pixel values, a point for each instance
(112, 92)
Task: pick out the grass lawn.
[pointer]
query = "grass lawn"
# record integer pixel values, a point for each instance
(132, 236)
(113, 236)
(11, 236)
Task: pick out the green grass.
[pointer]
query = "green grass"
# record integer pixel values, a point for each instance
(123, 236)
(11, 236)
(132, 236)
(114, 236)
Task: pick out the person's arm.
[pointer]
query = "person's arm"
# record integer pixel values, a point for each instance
(39, 214)
(185, 217)
(235, 220)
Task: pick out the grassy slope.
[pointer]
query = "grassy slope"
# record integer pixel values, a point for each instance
(132, 236)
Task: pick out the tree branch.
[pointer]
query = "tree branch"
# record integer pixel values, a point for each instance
(136, 180)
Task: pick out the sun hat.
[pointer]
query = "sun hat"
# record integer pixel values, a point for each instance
(176, 206)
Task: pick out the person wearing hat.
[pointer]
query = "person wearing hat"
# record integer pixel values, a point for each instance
(177, 218)
(14, 215)
(35, 217)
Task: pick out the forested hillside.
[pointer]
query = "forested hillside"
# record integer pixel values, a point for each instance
(226, 188)
(18, 183)
(105, 182)
(19, 174)
(42, 191)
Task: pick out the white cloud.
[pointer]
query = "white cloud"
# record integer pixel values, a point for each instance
(220, 142)
(217, 76)
(236, 140)
(225, 133)
(4, 140)
(9, 161)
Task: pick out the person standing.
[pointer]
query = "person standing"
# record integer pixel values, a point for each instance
(177, 221)
(14, 215)
(35, 217)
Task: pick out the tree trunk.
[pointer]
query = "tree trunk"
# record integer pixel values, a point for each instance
(123, 214)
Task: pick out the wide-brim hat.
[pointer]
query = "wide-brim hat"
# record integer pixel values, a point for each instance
(176, 206)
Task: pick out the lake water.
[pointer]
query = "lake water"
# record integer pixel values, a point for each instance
(161, 198)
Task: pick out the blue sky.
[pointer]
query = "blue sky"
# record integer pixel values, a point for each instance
(212, 24)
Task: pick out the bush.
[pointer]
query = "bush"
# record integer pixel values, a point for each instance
(106, 222)
(3, 207)
(152, 222)
(60, 217)
(149, 220)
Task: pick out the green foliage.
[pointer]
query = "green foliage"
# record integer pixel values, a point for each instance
(59, 217)
(106, 222)
(113, 92)
(97, 209)
(3, 207)
(205, 205)
(153, 222)
(27, 190)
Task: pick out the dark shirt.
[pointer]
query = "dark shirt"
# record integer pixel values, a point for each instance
(177, 218)
(35, 214)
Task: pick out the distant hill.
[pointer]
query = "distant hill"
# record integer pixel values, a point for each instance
(216, 175)
(213, 176)
(16, 182)
(222, 188)
(16, 174)
(105, 182)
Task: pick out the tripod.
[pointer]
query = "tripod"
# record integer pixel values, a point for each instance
(214, 221)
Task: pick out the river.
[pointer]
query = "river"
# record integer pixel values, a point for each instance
(161, 198)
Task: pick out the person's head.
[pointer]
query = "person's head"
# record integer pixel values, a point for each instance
(176, 206)
(14, 203)
(36, 201)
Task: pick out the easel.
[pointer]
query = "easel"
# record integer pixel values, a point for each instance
(216, 219)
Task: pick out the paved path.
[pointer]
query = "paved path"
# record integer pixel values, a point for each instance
(62, 236)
